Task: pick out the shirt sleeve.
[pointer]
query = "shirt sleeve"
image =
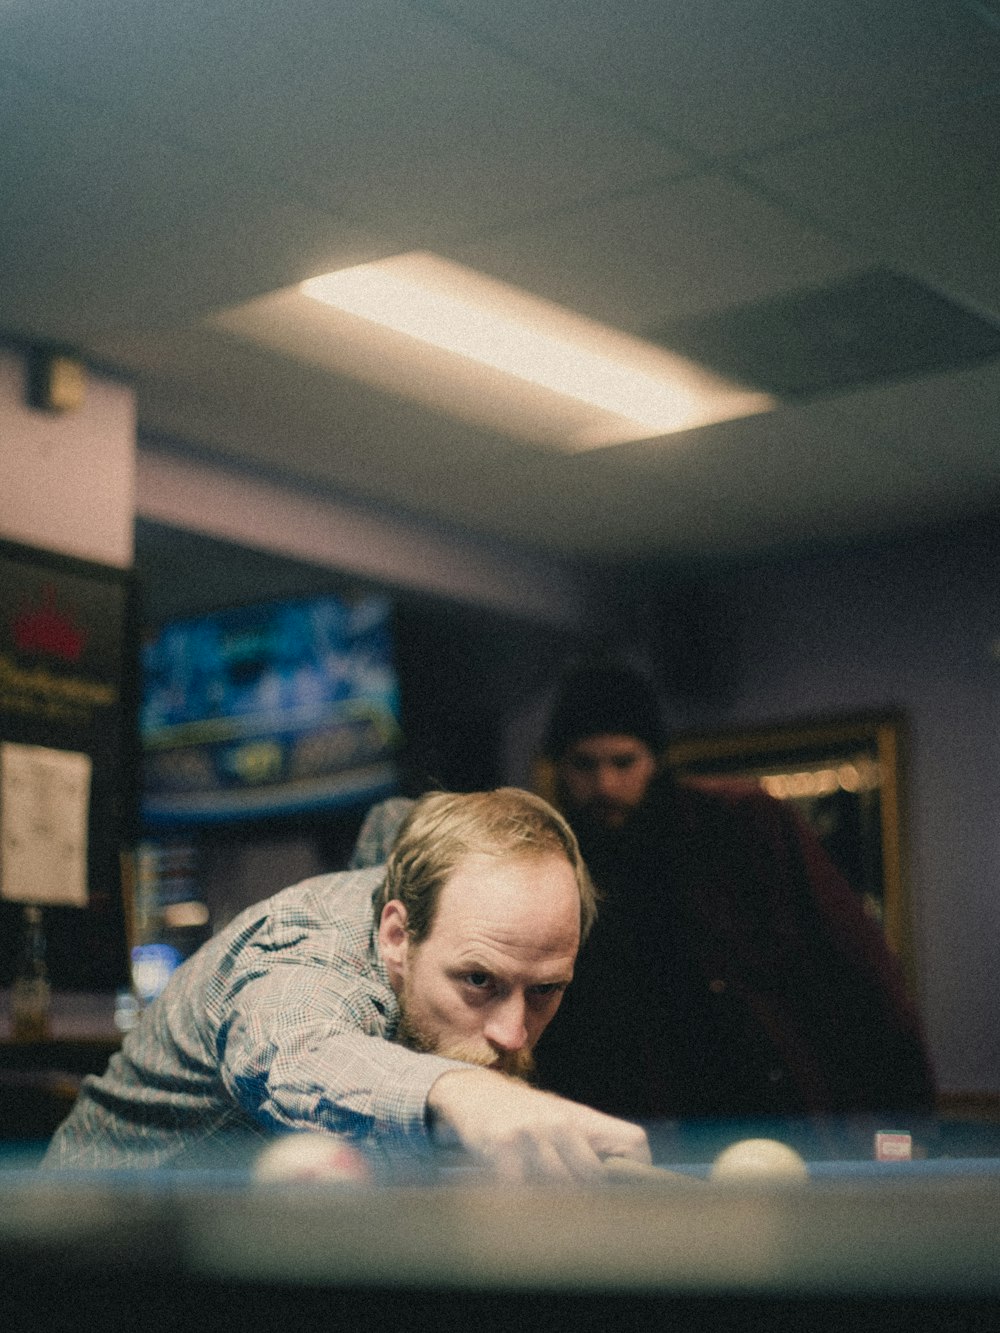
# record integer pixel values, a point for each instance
(378, 832)
(302, 1036)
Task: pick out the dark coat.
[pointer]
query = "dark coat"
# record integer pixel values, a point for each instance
(732, 973)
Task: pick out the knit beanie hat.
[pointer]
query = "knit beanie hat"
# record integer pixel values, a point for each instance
(601, 699)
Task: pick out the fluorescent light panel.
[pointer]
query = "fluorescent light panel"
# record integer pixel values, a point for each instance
(495, 354)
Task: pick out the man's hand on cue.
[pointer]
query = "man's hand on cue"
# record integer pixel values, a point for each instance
(524, 1134)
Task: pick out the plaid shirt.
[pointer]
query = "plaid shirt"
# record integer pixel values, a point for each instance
(285, 1020)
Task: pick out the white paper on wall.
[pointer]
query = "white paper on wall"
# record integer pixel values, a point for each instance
(44, 812)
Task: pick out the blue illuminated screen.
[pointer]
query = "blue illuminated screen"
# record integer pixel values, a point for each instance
(268, 710)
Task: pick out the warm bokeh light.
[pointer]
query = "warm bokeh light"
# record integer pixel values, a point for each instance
(861, 774)
(185, 915)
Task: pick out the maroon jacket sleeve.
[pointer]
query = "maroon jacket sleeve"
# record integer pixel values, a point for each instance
(830, 994)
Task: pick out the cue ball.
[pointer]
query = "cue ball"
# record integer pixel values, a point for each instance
(311, 1157)
(758, 1159)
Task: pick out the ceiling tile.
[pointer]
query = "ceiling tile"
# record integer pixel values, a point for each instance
(374, 109)
(922, 195)
(721, 77)
(101, 229)
(160, 162)
(804, 475)
(873, 326)
(676, 249)
(943, 424)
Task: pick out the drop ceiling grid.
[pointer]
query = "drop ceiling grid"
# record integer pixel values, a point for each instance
(720, 79)
(387, 114)
(168, 166)
(677, 248)
(923, 195)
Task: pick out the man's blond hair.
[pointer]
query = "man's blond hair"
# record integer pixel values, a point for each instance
(444, 827)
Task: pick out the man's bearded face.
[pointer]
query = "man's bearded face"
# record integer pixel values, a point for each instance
(606, 777)
(518, 1064)
(489, 976)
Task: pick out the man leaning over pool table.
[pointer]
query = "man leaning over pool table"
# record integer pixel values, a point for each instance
(397, 1006)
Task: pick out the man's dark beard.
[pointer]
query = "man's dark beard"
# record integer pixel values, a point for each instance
(598, 816)
(602, 820)
(642, 822)
(609, 815)
(515, 1064)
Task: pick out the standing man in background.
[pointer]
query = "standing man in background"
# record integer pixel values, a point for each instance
(765, 990)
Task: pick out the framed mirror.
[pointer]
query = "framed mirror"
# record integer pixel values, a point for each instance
(845, 778)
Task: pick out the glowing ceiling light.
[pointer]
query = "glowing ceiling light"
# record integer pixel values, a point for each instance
(636, 389)
(505, 344)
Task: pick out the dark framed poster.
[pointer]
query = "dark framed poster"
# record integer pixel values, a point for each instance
(68, 761)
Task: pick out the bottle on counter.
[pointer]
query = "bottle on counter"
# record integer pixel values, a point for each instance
(31, 994)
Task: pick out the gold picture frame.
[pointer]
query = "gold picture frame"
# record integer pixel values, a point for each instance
(846, 778)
